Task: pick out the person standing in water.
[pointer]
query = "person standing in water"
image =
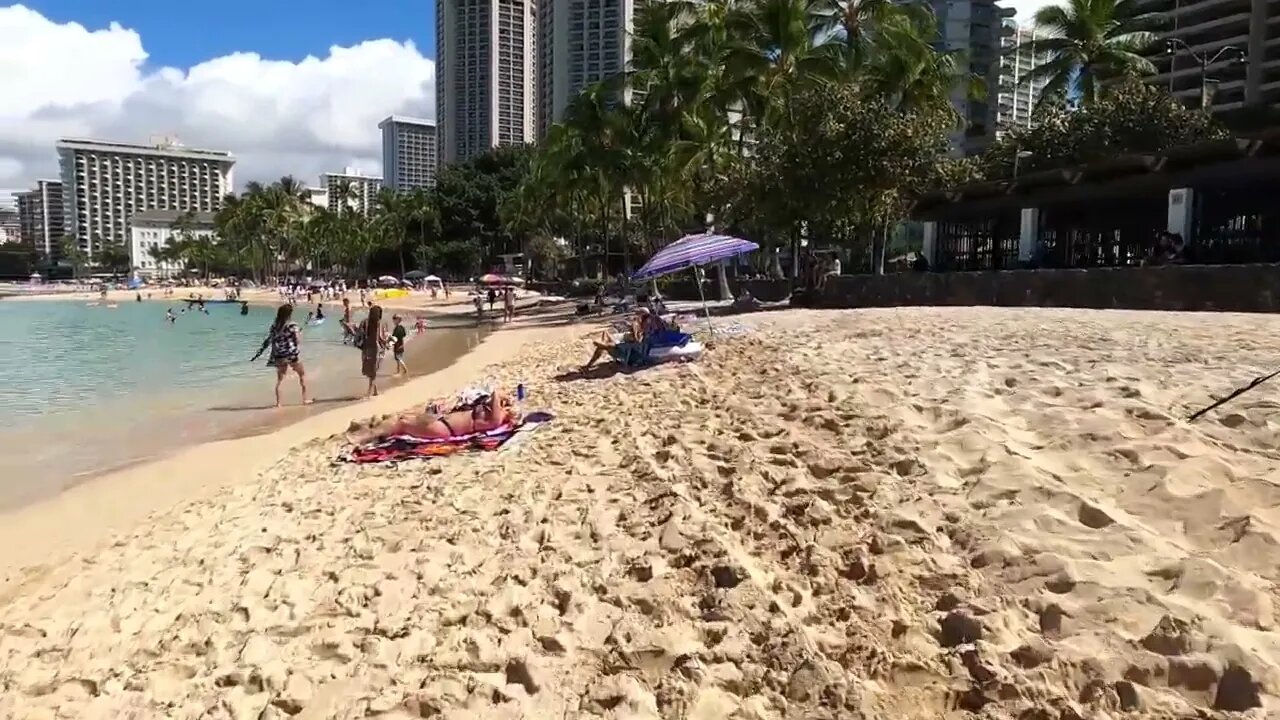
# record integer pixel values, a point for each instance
(244, 308)
(373, 342)
(398, 335)
(348, 330)
(285, 340)
(168, 315)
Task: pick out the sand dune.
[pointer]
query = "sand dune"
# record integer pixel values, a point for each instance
(924, 513)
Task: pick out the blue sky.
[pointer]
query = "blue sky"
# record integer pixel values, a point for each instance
(182, 33)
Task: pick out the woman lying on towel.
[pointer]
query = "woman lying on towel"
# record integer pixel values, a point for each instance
(488, 413)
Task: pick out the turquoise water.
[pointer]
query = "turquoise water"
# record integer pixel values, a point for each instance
(86, 389)
(59, 357)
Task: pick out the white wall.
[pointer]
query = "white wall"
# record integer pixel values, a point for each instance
(144, 241)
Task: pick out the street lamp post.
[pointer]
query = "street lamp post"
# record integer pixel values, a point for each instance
(1173, 45)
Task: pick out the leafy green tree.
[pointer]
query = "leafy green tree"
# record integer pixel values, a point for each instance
(1132, 117)
(73, 255)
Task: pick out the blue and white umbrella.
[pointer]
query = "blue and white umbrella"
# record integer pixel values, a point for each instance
(691, 251)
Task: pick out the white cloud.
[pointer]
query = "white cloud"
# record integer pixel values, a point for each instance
(1026, 8)
(278, 117)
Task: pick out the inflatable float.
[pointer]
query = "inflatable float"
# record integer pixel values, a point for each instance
(671, 345)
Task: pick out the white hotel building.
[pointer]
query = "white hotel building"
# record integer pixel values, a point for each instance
(361, 190)
(152, 230)
(485, 84)
(408, 152)
(105, 183)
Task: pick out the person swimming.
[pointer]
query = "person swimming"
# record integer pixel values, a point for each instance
(244, 308)
(168, 315)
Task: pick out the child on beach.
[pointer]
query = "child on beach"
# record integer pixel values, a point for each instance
(398, 334)
(372, 337)
(421, 325)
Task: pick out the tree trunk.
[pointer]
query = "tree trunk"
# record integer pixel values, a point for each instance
(722, 280)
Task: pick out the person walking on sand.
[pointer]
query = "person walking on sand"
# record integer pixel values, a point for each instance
(285, 340)
(373, 342)
(398, 335)
(508, 304)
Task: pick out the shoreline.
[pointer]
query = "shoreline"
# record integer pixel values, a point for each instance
(246, 418)
(77, 518)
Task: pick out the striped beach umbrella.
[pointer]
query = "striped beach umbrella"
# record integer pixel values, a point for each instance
(693, 250)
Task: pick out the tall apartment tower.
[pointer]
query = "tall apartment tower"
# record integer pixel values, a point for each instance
(975, 28)
(408, 152)
(40, 218)
(580, 43)
(360, 190)
(104, 183)
(1246, 75)
(1019, 92)
(485, 85)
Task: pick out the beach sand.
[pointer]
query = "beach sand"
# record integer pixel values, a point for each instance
(901, 513)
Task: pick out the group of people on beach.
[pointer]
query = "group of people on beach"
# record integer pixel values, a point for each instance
(371, 336)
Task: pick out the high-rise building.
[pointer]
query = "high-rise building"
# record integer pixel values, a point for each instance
(1019, 90)
(408, 152)
(104, 183)
(974, 28)
(1245, 74)
(40, 217)
(485, 85)
(580, 43)
(359, 190)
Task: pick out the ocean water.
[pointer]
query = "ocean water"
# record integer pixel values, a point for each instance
(59, 357)
(85, 389)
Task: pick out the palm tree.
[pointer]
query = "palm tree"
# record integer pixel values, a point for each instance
(1088, 42)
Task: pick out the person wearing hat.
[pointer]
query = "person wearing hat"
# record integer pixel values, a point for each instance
(398, 334)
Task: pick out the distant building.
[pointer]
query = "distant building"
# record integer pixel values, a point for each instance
(152, 230)
(318, 196)
(975, 29)
(105, 183)
(1019, 91)
(580, 43)
(360, 190)
(40, 218)
(10, 227)
(485, 84)
(408, 153)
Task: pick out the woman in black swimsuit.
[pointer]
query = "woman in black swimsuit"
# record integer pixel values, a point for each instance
(285, 340)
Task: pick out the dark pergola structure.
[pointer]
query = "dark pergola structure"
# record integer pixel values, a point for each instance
(1110, 213)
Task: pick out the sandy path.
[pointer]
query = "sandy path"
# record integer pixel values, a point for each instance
(926, 513)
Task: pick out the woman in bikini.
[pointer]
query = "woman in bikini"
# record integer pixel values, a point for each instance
(285, 340)
(486, 414)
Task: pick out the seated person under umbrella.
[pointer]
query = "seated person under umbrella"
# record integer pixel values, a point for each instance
(485, 414)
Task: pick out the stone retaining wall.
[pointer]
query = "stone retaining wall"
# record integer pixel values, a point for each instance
(1239, 288)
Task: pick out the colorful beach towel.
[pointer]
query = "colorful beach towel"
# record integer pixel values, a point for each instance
(407, 447)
